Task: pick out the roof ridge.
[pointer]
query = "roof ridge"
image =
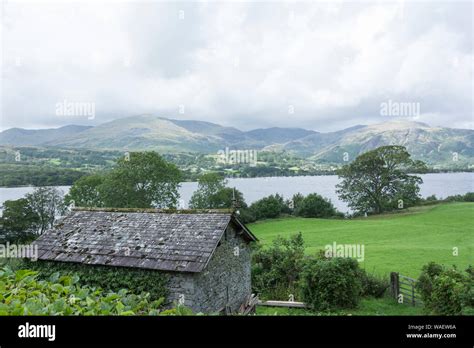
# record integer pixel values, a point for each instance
(156, 210)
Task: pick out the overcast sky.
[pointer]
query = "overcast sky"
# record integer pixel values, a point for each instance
(322, 66)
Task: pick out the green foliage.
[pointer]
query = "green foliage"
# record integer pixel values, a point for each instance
(246, 215)
(178, 310)
(85, 192)
(425, 281)
(316, 206)
(297, 199)
(276, 269)
(212, 193)
(448, 293)
(445, 291)
(378, 180)
(22, 174)
(106, 277)
(331, 284)
(268, 207)
(469, 197)
(208, 186)
(275, 206)
(47, 203)
(19, 221)
(141, 180)
(22, 293)
(372, 285)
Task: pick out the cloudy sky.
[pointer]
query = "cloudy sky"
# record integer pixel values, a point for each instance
(318, 65)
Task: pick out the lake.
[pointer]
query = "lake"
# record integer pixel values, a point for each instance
(440, 184)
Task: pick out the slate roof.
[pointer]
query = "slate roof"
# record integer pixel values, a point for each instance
(167, 241)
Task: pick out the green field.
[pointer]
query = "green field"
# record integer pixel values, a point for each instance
(401, 242)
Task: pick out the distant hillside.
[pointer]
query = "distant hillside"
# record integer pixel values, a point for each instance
(435, 145)
(25, 137)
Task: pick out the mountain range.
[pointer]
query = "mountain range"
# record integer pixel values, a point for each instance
(434, 145)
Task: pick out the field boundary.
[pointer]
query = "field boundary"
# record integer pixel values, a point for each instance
(403, 289)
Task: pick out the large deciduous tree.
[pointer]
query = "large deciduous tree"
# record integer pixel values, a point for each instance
(19, 221)
(47, 203)
(212, 193)
(86, 192)
(379, 180)
(141, 180)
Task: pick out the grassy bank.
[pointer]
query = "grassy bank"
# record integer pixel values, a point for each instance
(401, 242)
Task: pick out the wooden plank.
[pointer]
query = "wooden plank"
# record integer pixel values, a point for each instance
(288, 304)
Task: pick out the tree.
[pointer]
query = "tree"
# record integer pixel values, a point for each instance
(378, 180)
(268, 207)
(212, 193)
(141, 180)
(19, 221)
(208, 186)
(296, 200)
(276, 268)
(85, 192)
(316, 206)
(47, 203)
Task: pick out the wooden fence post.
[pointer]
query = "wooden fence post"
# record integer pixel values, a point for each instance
(394, 284)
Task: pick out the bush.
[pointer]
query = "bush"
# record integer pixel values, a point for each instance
(449, 289)
(469, 197)
(316, 206)
(445, 291)
(22, 293)
(373, 286)
(268, 207)
(106, 277)
(276, 269)
(246, 215)
(424, 285)
(331, 284)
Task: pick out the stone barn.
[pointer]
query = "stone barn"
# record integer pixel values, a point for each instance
(205, 254)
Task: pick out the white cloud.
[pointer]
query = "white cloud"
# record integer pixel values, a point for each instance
(238, 63)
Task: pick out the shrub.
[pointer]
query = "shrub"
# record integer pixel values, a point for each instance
(247, 215)
(276, 269)
(449, 289)
(296, 201)
(424, 285)
(469, 197)
(372, 285)
(268, 207)
(22, 293)
(316, 206)
(445, 291)
(106, 277)
(331, 284)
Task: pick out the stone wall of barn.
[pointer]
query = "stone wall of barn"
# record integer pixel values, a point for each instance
(180, 289)
(226, 279)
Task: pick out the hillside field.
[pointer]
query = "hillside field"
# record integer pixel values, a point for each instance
(401, 242)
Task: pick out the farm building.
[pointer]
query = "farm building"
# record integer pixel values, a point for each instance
(205, 255)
